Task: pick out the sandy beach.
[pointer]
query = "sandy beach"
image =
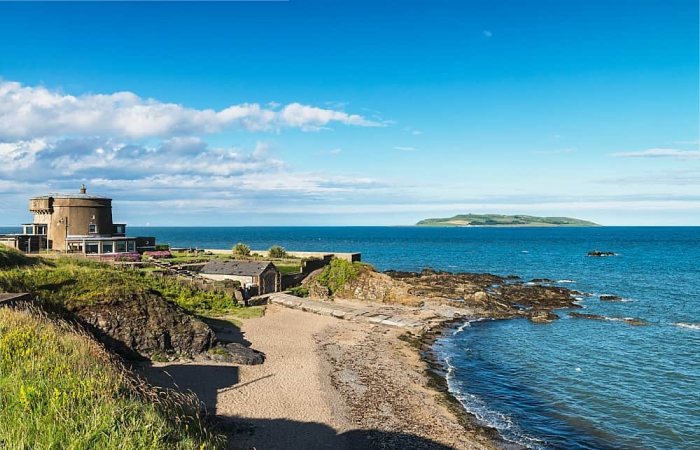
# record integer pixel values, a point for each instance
(326, 383)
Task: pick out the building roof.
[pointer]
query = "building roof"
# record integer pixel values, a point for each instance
(71, 196)
(234, 267)
(81, 194)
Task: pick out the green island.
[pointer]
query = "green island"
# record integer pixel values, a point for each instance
(501, 220)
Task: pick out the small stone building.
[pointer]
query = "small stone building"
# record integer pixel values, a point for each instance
(259, 276)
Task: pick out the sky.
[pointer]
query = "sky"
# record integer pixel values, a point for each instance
(353, 112)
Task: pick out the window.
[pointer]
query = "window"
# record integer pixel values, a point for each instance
(120, 246)
(92, 228)
(92, 247)
(131, 246)
(107, 247)
(119, 229)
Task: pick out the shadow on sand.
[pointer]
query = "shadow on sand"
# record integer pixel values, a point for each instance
(269, 434)
(278, 434)
(225, 331)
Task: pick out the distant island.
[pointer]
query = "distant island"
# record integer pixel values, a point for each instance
(500, 220)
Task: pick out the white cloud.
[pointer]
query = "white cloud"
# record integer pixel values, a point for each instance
(36, 112)
(487, 34)
(405, 149)
(660, 153)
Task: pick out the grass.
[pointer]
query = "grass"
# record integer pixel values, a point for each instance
(10, 258)
(73, 283)
(234, 316)
(60, 389)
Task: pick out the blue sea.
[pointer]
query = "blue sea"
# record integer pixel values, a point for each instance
(574, 383)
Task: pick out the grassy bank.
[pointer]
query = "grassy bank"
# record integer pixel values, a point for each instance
(60, 389)
(72, 283)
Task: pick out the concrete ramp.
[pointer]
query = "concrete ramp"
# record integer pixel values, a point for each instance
(356, 312)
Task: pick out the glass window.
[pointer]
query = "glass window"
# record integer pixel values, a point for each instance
(92, 228)
(120, 246)
(107, 247)
(92, 247)
(131, 246)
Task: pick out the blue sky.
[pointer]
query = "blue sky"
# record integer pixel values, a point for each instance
(362, 112)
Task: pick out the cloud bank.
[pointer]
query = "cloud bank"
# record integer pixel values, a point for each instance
(28, 112)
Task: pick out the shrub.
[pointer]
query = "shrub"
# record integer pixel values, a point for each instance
(277, 252)
(158, 254)
(241, 249)
(299, 291)
(338, 273)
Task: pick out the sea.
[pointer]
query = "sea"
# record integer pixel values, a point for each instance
(571, 384)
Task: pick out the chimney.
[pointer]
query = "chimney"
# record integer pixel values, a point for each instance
(83, 189)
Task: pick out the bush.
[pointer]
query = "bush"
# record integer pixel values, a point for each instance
(299, 291)
(158, 254)
(277, 252)
(241, 249)
(338, 273)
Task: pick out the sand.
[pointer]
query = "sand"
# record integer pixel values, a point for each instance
(325, 384)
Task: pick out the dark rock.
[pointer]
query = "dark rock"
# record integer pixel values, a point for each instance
(541, 280)
(578, 315)
(610, 298)
(236, 353)
(543, 317)
(598, 253)
(629, 320)
(636, 322)
(148, 325)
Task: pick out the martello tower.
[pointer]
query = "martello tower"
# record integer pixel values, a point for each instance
(72, 215)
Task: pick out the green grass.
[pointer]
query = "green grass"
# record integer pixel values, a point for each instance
(288, 267)
(73, 283)
(10, 258)
(60, 389)
(234, 316)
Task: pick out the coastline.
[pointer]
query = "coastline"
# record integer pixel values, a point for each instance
(437, 374)
(329, 383)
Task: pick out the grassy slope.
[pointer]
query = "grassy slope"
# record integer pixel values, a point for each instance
(59, 389)
(504, 220)
(72, 283)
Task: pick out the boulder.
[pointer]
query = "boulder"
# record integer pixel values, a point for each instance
(146, 324)
(236, 353)
(610, 298)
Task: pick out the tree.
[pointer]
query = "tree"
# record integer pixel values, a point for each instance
(241, 249)
(277, 252)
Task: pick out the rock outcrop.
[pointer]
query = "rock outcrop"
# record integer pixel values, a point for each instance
(147, 325)
(486, 294)
(598, 253)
